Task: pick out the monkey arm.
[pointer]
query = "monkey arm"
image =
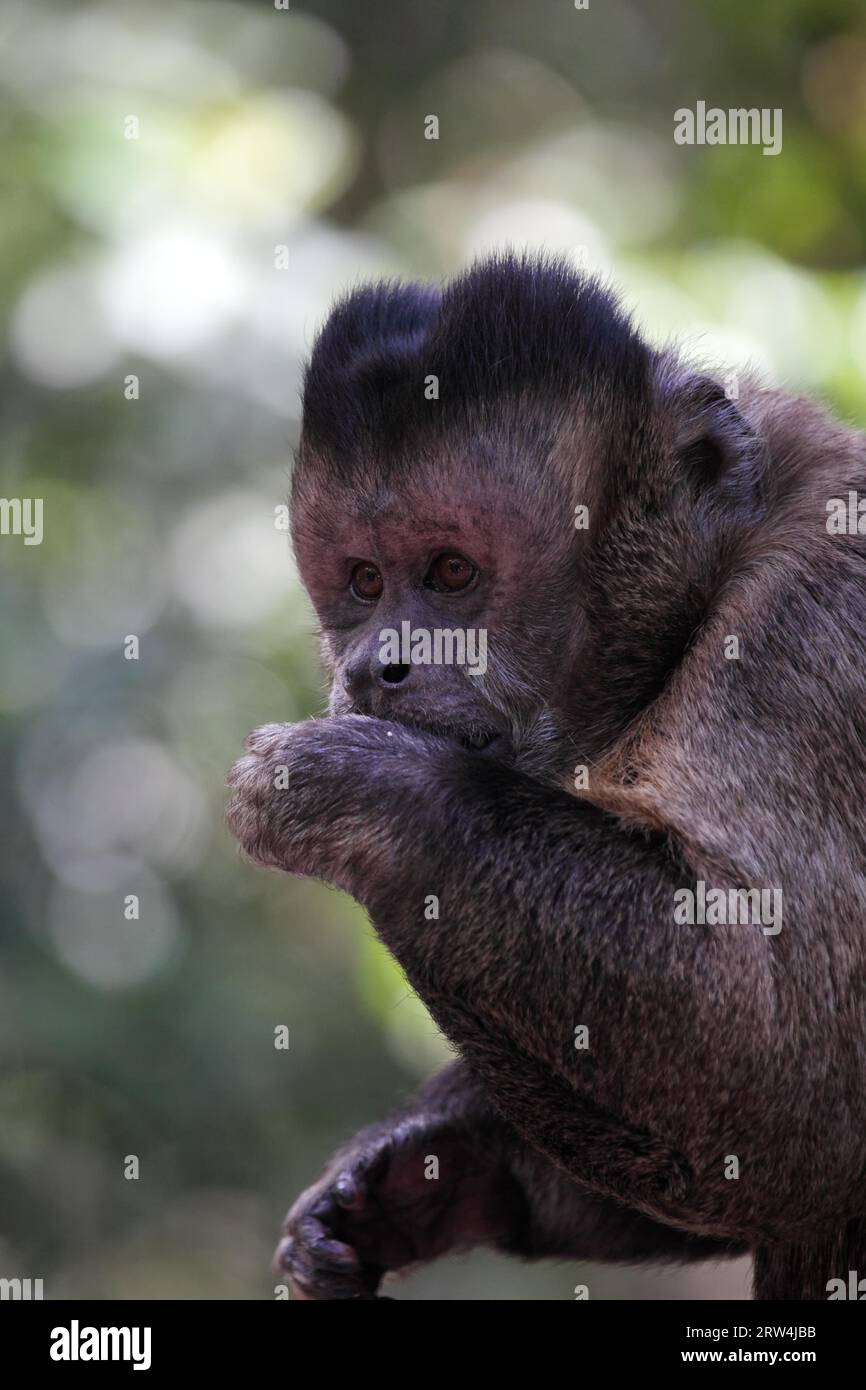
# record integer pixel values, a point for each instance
(446, 1173)
(550, 916)
(519, 914)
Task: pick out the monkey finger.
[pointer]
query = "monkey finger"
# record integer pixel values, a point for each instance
(323, 1248)
(312, 1243)
(308, 1279)
(313, 1285)
(265, 739)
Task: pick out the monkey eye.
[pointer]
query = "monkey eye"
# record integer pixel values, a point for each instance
(366, 581)
(450, 573)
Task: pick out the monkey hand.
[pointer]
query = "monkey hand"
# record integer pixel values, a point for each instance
(310, 798)
(400, 1193)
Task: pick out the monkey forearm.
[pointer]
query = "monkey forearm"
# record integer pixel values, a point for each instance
(446, 1173)
(544, 912)
(525, 906)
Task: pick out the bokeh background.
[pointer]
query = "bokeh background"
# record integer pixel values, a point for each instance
(147, 248)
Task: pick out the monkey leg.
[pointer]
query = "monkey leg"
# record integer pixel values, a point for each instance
(446, 1174)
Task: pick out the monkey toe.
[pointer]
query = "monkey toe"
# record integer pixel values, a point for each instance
(350, 1193)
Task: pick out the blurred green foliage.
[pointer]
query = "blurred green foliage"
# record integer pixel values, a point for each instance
(153, 159)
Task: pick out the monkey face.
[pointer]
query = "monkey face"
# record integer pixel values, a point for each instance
(435, 608)
(510, 464)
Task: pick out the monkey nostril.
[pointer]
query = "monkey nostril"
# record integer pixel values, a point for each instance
(393, 675)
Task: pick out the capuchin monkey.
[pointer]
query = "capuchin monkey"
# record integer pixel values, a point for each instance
(623, 865)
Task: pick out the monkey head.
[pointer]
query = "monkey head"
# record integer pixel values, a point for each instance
(510, 466)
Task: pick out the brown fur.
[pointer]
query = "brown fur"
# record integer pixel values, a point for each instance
(606, 650)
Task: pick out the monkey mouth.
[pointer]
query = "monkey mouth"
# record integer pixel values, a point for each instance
(476, 738)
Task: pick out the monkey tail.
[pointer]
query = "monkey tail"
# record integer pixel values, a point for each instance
(830, 1266)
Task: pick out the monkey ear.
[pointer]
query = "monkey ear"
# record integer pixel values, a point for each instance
(717, 450)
